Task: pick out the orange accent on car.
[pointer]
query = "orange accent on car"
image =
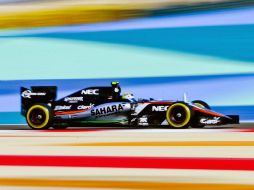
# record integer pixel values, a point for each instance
(156, 103)
(208, 112)
(69, 112)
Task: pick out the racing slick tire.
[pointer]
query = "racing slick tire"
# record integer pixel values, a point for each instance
(179, 115)
(201, 104)
(39, 116)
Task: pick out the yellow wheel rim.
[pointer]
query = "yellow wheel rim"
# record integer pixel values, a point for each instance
(46, 112)
(187, 119)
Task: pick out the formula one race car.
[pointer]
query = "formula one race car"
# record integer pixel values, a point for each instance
(107, 106)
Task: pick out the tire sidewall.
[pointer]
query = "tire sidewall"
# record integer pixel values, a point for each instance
(49, 116)
(186, 123)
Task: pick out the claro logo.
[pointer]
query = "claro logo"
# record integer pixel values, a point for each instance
(90, 92)
(84, 107)
(159, 108)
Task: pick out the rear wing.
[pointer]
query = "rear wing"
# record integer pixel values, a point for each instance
(37, 94)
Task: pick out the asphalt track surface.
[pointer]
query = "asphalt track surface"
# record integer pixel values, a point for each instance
(120, 158)
(25, 127)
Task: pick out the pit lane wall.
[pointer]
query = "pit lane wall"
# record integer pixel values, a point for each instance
(208, 54)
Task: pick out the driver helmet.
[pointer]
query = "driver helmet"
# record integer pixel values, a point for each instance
(128, 96)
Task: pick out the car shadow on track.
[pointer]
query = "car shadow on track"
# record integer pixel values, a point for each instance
(25, 127)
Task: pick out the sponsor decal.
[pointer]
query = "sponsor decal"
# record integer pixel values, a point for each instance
(215, 120)
(73, 99)
(63, 107)
(160, 108)
(107, 110)
(90, 92)
(83, 107)
(28, 94)
(133, 119)
(143, 121)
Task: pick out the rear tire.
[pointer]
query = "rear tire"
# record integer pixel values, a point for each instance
(39, 116)
(179, 115)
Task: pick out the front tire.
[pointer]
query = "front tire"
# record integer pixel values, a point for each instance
(39, 116)
(179, 115)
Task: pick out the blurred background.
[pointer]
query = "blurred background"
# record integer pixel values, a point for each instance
(154, 48)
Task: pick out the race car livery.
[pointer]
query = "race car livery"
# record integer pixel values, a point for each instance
(102, 106)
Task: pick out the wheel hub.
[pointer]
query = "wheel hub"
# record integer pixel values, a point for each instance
(37, 116)
(178, 115)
